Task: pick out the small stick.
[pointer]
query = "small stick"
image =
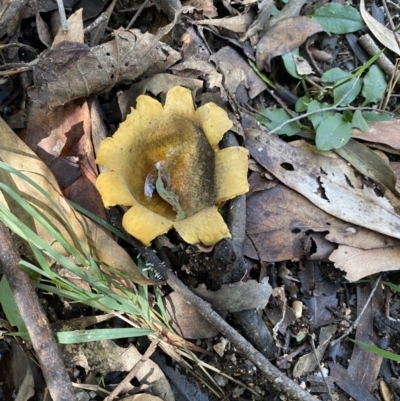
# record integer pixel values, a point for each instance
(137, 13)
(149, 352)
(312, 336)
(63, 17)
(355, 323)
(277, 378)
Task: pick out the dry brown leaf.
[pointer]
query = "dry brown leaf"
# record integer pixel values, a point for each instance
(360, 263)
(62, 139)
(207, 6)
(75, 30)
(236, 71)
(72, 70)
(309, 362)
(280, 222)
(386, 132)
(327, 182)
(281, 39)
(238, 24)
(186, 320)
(383, 34)
(105, 356)
(159, 83)
(18, 155)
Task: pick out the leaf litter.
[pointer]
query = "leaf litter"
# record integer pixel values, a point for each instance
(316, 207)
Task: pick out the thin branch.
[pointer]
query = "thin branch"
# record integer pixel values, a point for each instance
(277, 378)
(355, 323)
(134, 371)
(36, 322)
(63, 17)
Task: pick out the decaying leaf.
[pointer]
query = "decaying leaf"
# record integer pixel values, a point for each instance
(207, 6)
(105, 356)
(160, 83)
(18, 155)
(280, 222)
(329, 183)
(386, 132)
(280, 40)
(166, 165)
(237, 72)
(309, 362)
(186, 320)
(237, 24)
(72, 70)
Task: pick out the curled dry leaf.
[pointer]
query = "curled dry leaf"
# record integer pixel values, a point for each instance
(72, 70)
(16, 154)
(285, 36)
(383, 34)
(330, 183)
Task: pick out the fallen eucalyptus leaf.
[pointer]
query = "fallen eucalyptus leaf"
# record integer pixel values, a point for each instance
(330, 183)
(360, 263)
(383, 34)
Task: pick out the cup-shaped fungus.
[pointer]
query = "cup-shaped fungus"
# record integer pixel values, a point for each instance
(166, 165)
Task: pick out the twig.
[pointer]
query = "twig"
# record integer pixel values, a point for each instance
(391, 24)
(149, 352)
(138, 12)
(98, 21)
(372, 48)
(63, 17)
(40, 332)
(355, 323)
(278, 379)
(312, 337)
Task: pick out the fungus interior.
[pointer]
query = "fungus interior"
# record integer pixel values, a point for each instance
(174, 172)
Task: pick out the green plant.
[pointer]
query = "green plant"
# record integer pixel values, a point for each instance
(329, 110)
(106, 292)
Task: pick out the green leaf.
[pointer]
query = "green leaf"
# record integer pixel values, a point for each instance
(374, 85)
(343, 83)
(317, 118)
(302, 104)
(290, 65)
(10, 308)
(376, 350)
(359, 121)
(337, 18)
(333, 133)
(84, 336)
(374, 116)
(276, 117)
